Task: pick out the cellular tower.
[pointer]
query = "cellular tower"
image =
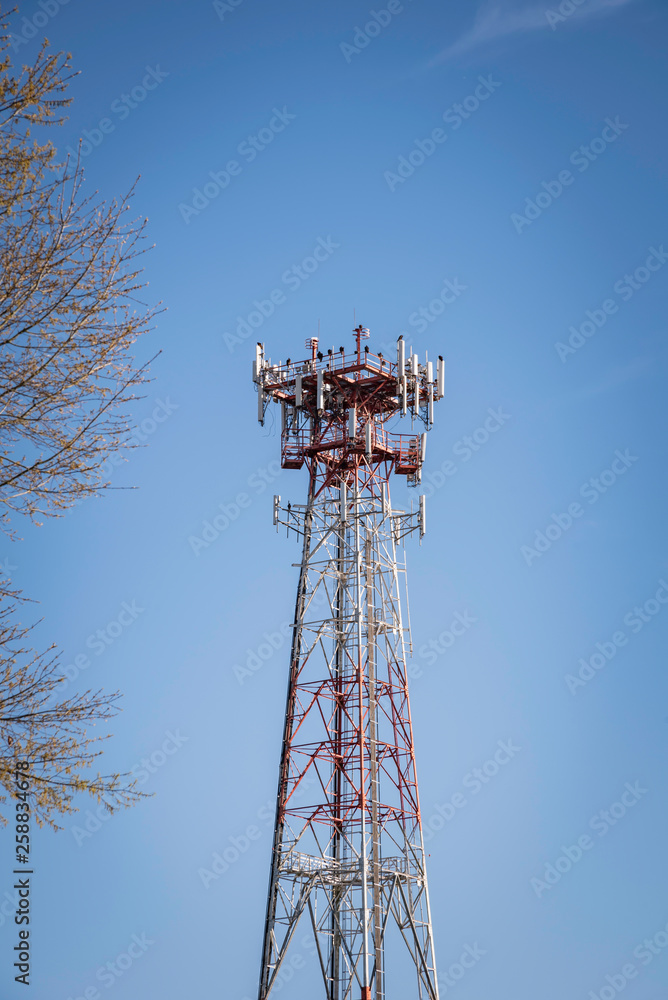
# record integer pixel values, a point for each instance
(348, 861)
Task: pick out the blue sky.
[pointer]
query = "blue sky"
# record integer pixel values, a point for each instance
(509, 158)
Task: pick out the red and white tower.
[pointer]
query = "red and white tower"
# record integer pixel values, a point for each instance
(348, 856)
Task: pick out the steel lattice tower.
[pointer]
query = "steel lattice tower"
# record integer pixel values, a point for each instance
(349, 861)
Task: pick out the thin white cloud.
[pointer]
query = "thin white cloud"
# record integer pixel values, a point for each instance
(496, 20)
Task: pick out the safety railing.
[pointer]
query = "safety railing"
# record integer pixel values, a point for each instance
(274, 376)
(403, 448)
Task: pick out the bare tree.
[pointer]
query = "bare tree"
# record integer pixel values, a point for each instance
(70, 277)
(50, 734)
